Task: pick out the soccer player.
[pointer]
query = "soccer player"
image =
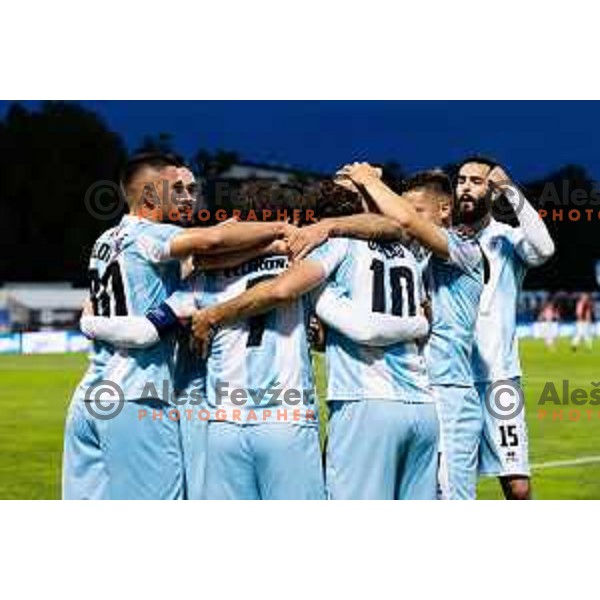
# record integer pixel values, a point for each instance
(133, 268)
(454, 278)
(510, 251)
(548, 318)
(584, 312)
(383, 427)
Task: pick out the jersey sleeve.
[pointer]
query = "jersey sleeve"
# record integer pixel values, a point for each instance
(531, 240)
(371, 329)
(122, 332)
(464, 253)
(330, 254)
(154, 241)
(527, 252)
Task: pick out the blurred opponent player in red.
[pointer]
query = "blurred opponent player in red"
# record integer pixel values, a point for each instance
(549, 317)
(584, 311)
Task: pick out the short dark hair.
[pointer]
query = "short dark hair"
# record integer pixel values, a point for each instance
(477, 159)
(332, 200)
(276, 197)
(156, 160)
(434, 179)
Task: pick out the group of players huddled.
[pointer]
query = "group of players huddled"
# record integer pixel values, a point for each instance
(207, 330)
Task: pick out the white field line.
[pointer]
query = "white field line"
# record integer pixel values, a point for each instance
(583, 460)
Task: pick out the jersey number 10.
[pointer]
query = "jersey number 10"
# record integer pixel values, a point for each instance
(402, 285)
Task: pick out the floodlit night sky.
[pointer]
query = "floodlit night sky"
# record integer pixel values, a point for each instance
(531, 138)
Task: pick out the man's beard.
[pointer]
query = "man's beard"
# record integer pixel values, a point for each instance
(480, 211)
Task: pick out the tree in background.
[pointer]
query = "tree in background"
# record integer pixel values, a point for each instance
(211, 165)
(163, 142)
(49, 159)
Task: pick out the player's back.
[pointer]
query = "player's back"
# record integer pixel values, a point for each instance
(385, 278)
(129, 276)
(266, 352)
(495, 354)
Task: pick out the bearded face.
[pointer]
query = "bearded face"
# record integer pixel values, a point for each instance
(473, 193)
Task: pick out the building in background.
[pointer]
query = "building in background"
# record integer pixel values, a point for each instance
(40, 306)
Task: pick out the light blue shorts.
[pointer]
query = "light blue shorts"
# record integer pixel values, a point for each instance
(263, 461)
(194, 434)
(125, 457)
(461, 420)
(382, 450)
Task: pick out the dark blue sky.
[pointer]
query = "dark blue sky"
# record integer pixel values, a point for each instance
(531, 138)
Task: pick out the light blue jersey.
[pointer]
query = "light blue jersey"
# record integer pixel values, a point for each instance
(455, 286)
(383, 427)
(261, 366)
(263, 439)
(127, 457)
(379, 277)
(496, 354)
(504, 449)
(130, 273)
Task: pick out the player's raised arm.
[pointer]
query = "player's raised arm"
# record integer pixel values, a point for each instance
(397, 207)
(371, 329)
(227, 237)
(535, 246)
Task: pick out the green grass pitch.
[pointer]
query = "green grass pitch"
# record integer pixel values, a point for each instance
(35, 391)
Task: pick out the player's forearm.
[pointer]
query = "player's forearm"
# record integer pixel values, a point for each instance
(539, 246)
(390, 204)
(287, 287)
(234, 259)
(399, 209)
(384, 330)
(241, 236)
(367, 226)
(122, 332)
(374, 329)
(257, 300)
(228, 237)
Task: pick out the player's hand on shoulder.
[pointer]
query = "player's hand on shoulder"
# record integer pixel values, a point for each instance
(307, 239)
(288, 230)
(277, 247)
